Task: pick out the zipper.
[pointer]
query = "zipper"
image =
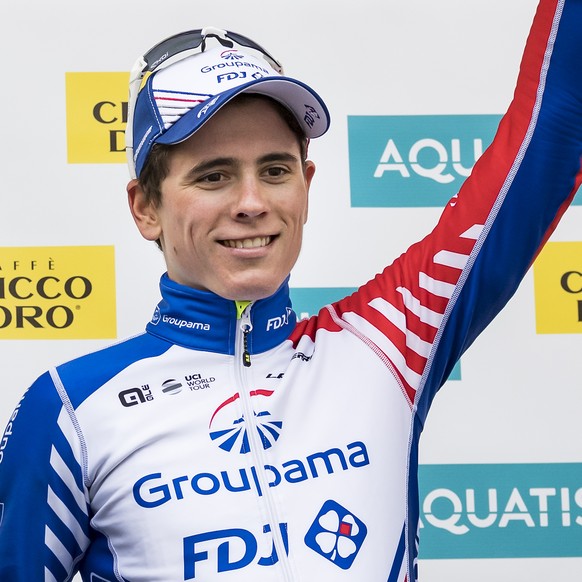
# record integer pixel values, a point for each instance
(243, 364)
(246, 328)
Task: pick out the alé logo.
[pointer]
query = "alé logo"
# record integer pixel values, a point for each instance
(230, 431)
(501, 511)
(414, 160)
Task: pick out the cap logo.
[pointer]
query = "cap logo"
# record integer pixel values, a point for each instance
(206, 107)
(310, 115)
(232, 58)
(231, 54)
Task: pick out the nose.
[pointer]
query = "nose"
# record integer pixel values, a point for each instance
(252, 200)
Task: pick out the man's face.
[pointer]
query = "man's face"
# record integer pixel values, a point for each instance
(234, 203)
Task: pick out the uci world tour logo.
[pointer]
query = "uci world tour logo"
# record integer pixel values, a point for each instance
(233, 433)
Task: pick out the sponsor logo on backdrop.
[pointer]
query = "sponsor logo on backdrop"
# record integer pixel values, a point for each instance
(57, 293)
(414, 160)
(558, 288)
(96, 117)
(308, 301)
(501, 511)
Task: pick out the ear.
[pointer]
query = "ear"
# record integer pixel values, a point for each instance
(309, 172)
(144, 212)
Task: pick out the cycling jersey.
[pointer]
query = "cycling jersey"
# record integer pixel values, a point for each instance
(232, 442)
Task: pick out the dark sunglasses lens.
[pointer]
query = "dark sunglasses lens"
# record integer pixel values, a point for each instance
(190, 40)
(171, 46)
(244, 41)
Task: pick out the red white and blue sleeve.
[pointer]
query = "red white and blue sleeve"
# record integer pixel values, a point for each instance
(427, 308)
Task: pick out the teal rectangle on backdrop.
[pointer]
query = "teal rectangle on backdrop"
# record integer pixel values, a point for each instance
(501, 511)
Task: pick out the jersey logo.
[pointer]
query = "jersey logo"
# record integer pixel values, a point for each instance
(156, 317)
(235, 436)
(134, 396)
(336, 534)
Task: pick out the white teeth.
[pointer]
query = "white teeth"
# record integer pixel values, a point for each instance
(248, 243)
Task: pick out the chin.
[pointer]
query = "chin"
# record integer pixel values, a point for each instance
(251, 291)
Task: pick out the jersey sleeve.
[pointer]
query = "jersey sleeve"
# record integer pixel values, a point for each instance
(44, 523)
(427, 307)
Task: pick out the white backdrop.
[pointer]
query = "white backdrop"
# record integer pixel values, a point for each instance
(519, 399)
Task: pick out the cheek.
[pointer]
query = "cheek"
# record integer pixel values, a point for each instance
(298, 210)
(180, 235)
(296, 241)
(187, 219)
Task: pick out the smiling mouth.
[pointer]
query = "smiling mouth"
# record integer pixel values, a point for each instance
(248, 243)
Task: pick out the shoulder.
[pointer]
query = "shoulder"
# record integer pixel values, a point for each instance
(82, 376)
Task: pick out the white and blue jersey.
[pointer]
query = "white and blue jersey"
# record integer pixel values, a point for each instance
(226, 444)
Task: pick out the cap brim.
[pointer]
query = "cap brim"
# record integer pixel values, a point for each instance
(306, 105)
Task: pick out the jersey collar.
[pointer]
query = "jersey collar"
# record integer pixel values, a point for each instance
(205, 321)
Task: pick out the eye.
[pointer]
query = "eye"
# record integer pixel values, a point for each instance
(276, 171)
(213, 177)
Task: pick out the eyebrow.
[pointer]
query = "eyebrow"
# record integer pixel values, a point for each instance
(278, 157)
(213, 163)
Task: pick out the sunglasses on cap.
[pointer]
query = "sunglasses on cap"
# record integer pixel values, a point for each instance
(174, 49)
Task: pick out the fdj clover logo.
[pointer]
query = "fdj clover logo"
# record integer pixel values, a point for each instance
(412, 161)
(236, 436)
(336, 534)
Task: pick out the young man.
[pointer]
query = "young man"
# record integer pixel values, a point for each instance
(226, 442)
